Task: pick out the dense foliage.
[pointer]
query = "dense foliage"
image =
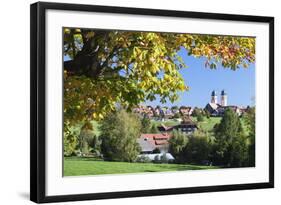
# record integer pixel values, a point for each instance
(109, 67)
(70, 141)
(177, 143)
(145, 124)
(231, 147)
(250, 119)
(198, 148)
(119, 134)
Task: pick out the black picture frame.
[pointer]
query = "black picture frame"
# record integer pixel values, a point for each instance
(38, 101)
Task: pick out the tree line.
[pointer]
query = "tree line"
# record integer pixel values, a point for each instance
(231, 144)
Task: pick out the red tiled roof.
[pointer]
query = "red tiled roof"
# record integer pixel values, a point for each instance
(156, 139)
(161, 142)
(161, 137)
(158, 135)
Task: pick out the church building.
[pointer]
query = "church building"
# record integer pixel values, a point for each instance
(216, 108)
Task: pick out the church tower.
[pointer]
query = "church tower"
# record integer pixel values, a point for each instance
(214, 97)
(223, 98)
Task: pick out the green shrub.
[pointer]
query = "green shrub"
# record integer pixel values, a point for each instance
(156, 151)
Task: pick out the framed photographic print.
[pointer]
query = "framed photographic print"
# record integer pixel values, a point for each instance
(129, 102)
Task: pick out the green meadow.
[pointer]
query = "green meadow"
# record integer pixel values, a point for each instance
(77, 166)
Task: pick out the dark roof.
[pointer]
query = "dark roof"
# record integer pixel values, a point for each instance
(162, 127)
(187, 121)
(214, 93)
(223, 92)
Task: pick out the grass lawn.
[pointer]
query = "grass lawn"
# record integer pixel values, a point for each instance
(75, 166)
(208, 124)
(167, 122)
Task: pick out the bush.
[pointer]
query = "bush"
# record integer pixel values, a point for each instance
(177, 115)
(207, 113)
(157, 159)
(196, 112)
(156, 151)
(143, 159)
(200, 117)
(164, 158)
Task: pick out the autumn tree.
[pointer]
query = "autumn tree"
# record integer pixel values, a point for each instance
(70, 141)
(103, 68)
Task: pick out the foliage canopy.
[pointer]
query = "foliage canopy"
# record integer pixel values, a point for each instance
(106, 68)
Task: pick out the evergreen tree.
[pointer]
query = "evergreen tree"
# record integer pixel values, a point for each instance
(231, 144)
(250, 118)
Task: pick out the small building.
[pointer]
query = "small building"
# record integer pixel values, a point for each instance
(184, 110)
(164, 128)
(187, 126)
(150, 142)
(168, 113)
(214, 109)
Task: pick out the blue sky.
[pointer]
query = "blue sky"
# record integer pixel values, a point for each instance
(239, 85)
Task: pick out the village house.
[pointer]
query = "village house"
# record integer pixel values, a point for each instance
(184, 110)
(186, 126)
(150, 142)
(168, 113)
(157, 111)
(144, 110)
(175, 109)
